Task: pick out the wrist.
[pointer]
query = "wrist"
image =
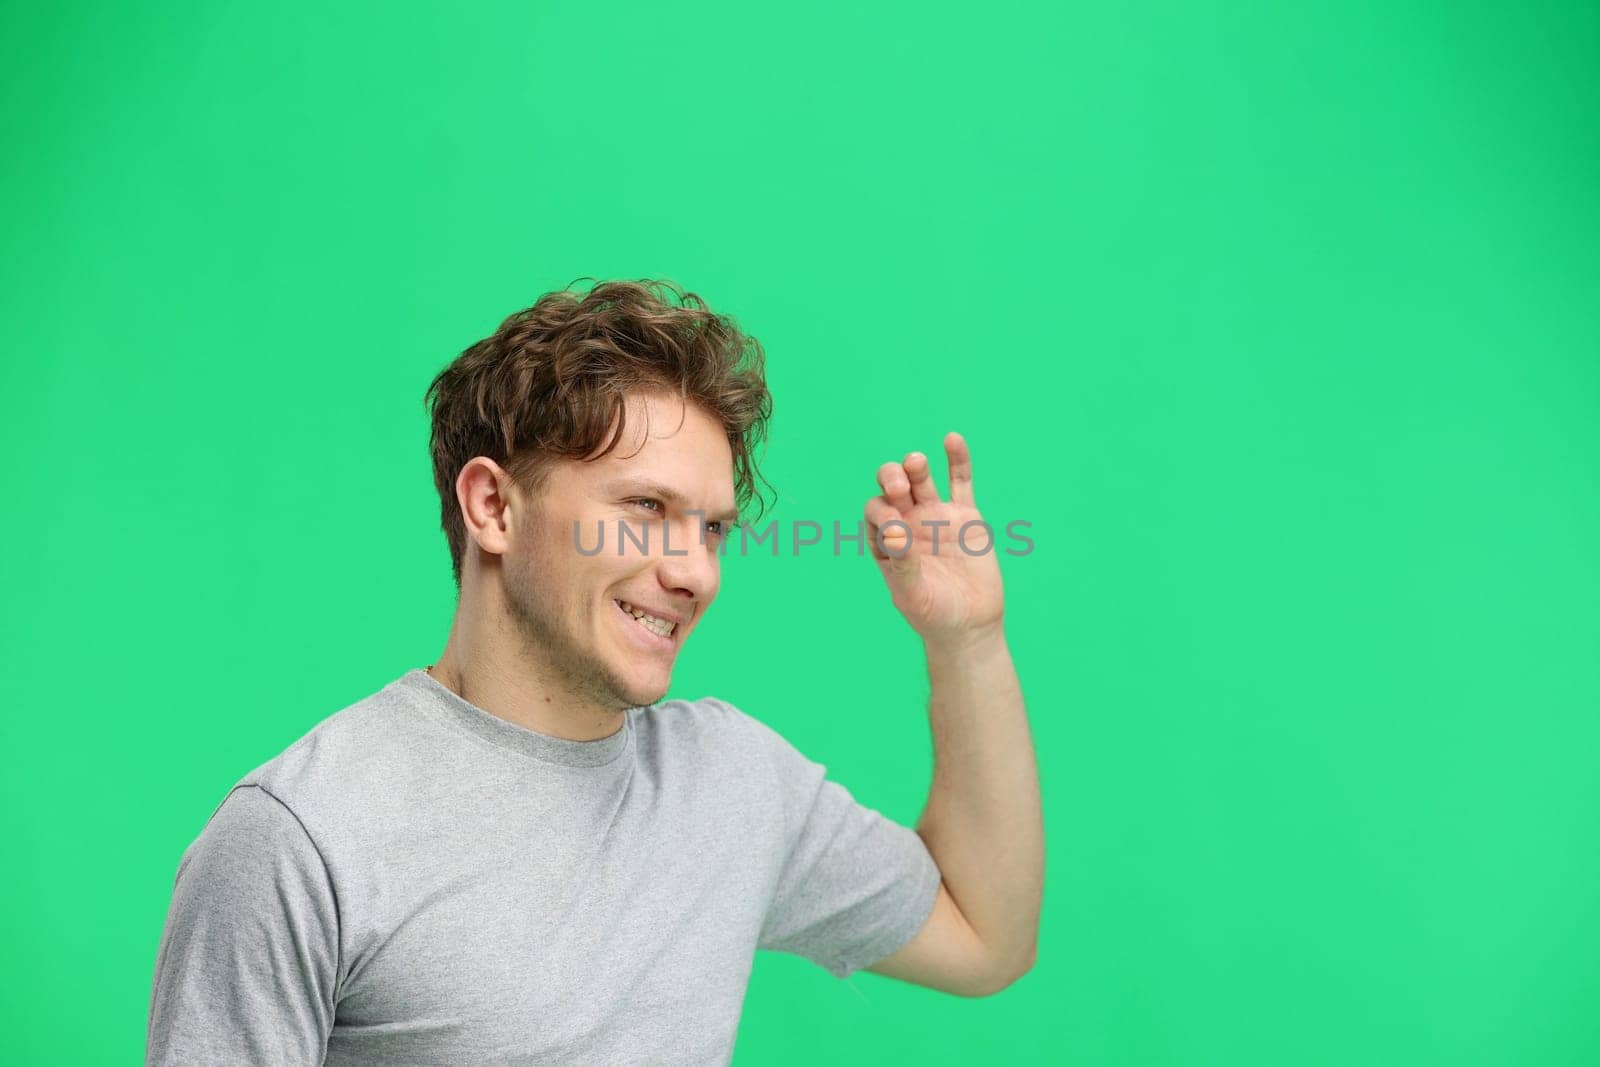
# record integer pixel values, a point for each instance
(967, 643)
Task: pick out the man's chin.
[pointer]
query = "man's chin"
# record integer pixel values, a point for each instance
(643, 698)
(635, 693)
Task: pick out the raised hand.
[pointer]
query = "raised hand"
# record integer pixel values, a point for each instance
(939, 563)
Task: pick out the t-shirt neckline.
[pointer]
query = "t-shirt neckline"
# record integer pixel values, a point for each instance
(446, 705)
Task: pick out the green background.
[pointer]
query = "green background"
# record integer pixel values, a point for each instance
(1283, 330)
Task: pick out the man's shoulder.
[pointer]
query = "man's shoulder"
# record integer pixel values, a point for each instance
(701, 720)
(714, 726)
(362, 745)
(706, 724)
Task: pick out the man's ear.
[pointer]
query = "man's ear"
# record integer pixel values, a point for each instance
(484, 491)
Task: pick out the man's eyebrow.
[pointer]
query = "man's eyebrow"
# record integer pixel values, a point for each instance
(644, 487)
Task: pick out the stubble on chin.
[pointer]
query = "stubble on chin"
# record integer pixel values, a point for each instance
(573, 666)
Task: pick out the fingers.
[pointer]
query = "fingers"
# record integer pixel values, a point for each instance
(920, 472)
(910, 483)
(896, 486)
(960, 458)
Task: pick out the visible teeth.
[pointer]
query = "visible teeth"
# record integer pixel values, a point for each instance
(648, 621)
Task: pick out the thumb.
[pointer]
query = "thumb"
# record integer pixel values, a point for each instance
(890, 537)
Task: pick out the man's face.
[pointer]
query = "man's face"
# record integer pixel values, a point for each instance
(580, 608)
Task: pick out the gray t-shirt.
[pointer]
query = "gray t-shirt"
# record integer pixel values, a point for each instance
(418, 881)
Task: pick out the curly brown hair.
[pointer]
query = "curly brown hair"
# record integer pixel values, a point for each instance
(552, 381)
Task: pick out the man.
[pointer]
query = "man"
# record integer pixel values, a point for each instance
(523, 853)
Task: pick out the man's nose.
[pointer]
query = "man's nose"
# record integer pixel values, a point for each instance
(685, 567)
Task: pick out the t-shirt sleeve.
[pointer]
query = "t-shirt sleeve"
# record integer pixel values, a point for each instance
(249, 954)
(854, 886)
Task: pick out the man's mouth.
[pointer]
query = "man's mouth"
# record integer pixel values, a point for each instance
(659, 627)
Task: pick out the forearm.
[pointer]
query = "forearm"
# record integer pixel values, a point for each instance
(983, 823)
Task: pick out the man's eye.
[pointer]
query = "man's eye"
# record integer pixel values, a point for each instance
(643, 501)
(715, 526)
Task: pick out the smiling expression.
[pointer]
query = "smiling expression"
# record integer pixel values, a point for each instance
(612, 624)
